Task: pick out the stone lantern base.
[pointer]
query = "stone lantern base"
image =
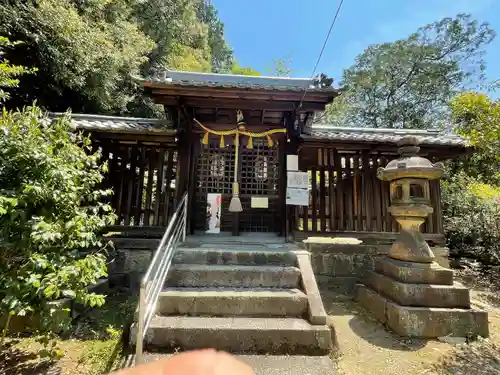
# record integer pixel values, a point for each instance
(420, 300)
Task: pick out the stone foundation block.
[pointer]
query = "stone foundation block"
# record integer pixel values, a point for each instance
(424, 322)
(423, 295)
(416, 273)
(442, 256)
(371, 301)
(431, 322)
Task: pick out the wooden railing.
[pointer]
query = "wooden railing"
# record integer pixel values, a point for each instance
(143, 179)
(346, 195)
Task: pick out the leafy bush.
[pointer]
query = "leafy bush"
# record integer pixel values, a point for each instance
(51, 207)
(472, 218)
(9, 74)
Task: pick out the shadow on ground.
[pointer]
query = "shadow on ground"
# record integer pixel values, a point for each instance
(491, 299)
(480, 358)
(364, 325)
(96, 344)
(14, 361)
(99, 323)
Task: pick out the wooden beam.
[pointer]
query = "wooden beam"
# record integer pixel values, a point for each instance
(136, 138)
(440, 152)
(239, 103)
(249, 94)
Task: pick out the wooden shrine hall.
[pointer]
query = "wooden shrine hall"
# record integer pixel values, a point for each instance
(231, 141)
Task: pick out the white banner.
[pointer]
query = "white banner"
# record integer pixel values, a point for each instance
(213, 212)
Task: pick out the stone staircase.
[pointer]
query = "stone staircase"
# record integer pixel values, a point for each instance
(240, 294)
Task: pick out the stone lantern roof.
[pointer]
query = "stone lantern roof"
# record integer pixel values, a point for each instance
(409, 164)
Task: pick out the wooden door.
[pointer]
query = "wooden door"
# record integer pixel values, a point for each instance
(258, 175)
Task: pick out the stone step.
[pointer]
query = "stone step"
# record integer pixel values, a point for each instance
(245, 238)
(237, 335)
(125, 243)
(232, 302)
(237, 256)
(199, 275)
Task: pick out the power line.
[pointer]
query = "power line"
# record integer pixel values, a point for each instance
(323, 48)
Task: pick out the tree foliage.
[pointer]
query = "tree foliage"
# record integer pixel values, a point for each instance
(283, 66)
(244, 71)
(478, 118)
(83, 50)
(50, 209)
(9, 74)
(222, 54)
(471, 191)
(181, 40)
(471, 213)
(87, 51)
(408, 83)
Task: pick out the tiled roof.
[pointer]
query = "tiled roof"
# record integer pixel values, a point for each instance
(426, 137)
(319, 132)
(118, 124)
(213, 80)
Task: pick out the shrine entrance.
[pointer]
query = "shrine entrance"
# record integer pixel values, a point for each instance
(258, 174)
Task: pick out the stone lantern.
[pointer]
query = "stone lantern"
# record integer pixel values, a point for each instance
(407, 290)
(409, 177)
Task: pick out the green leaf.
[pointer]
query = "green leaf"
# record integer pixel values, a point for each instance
(50, 291)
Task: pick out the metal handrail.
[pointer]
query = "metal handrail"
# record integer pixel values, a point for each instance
(154, 279)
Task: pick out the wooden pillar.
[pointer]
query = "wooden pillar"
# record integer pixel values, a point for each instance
(194, 151)
(282, 208)
(291, 148)
(187, 147)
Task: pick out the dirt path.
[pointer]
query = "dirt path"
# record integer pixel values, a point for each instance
(365, 347)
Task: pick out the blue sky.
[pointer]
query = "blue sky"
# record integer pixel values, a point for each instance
(262, 30)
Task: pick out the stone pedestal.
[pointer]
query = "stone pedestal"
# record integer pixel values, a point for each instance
(420, 300)
(409, 291)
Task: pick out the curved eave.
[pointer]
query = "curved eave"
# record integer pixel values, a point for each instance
(431, 143)
(237, 91)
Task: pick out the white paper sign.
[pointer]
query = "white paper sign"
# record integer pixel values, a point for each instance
(298, 180)
(292, 162)
(213, 213)
(259, 202)
(297, 197)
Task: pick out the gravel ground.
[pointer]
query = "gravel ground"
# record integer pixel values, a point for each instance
(365, 347)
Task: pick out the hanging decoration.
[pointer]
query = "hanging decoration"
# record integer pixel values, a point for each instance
(235, 204)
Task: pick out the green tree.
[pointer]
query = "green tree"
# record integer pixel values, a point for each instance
(283, 66)
(408, 83)
(477, 117)
(181, 39)
(9, 73)
(87, 51)
(471, 213)
(222, 54)
(237, 69)
(84, 52)
(51, 208)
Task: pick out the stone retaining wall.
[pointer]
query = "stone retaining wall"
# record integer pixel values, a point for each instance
(339, 266)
